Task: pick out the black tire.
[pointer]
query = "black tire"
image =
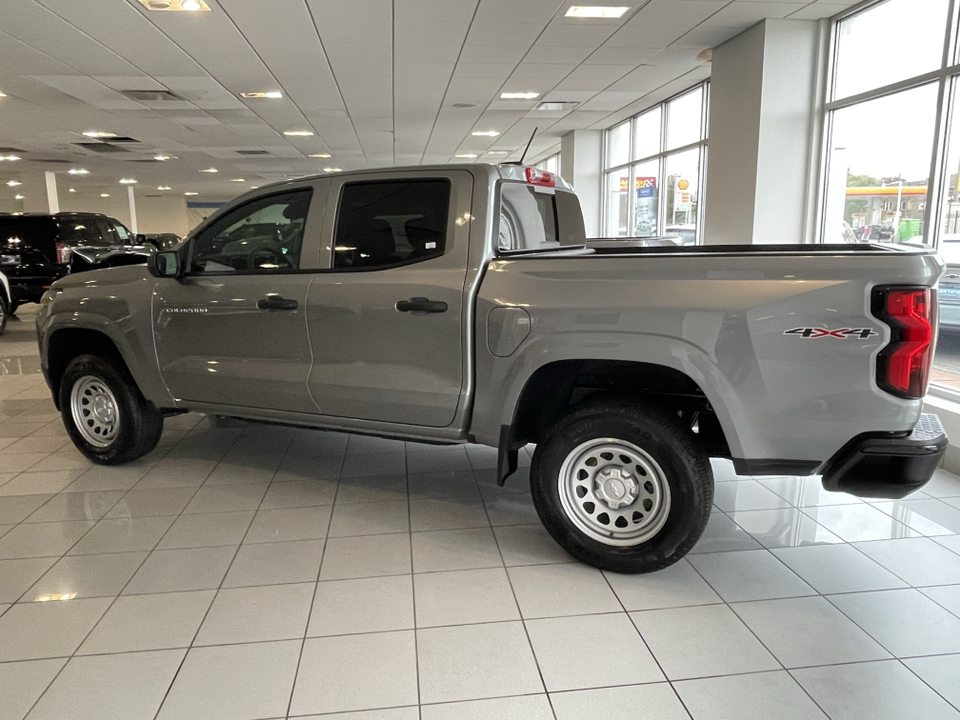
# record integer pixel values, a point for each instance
(138, 423)
(12, 309)
(675, 451)
(4, 312)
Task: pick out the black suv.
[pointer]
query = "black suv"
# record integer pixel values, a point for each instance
(36, 249)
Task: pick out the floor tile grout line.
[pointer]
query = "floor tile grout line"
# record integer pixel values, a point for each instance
(316, 587)
(955, 706)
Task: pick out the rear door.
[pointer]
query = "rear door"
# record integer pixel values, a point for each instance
(386, 322)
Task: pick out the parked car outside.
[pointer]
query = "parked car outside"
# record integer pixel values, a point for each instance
(687, 233)
(37, 249)
(949, 290)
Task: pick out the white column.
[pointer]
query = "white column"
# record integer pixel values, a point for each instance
(53, 200)
(580, 161)
(762, 125)
(133, 209)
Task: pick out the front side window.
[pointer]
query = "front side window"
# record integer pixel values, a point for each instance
(264, 235)
(383, 224)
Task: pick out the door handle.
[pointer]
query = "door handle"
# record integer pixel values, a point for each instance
(275, 302)
(421, 305)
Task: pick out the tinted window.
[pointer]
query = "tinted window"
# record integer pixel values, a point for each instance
(264, 235)
(535, 220)
(20, 231)
(80, 230)
(382, 224)
(105, 228)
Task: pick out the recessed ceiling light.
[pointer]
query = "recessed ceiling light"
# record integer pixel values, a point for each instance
(485, 133)
(332, 169)
(238, 180)
(3, 94)
(298, 133)
(272, 94)
(127, 181)
(191, 193)
(99, 134)
(210, 170)
(71, 190)
(104, 194)
(498, 152)
(254, 187)
(18, 197)
(320, 155)
(11, 158)
(466, 155)
(175, 5)
(77, 171)
(592, 11)
(560, 105)
(13, 183)
(164, 187)
(519, 96)
(161, 158)
(464, 106)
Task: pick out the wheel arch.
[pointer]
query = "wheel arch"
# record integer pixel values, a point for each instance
(65, 344)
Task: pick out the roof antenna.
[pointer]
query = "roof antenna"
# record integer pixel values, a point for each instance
(527, 148)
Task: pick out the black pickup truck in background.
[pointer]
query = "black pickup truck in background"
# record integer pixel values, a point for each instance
(37, 249)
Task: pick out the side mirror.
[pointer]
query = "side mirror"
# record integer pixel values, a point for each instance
(141, 239)
(164, 264)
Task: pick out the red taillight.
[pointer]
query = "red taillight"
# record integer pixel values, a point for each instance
(63, 253)
(903, 367)
(536, 176)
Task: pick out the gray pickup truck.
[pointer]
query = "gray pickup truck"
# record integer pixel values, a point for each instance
(462, 304)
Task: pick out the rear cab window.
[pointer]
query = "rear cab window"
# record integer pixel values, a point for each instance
(535, 218)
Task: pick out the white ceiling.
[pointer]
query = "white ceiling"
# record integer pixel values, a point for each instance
(376, 80)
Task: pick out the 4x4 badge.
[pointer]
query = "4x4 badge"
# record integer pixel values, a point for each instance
(842, 333)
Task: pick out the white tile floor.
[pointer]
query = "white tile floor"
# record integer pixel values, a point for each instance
(243, 572)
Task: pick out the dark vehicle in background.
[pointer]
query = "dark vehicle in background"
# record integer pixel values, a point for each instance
(37, 249)
(162, 241)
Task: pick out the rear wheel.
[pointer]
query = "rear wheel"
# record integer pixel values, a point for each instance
(622, 487)
(104, 412)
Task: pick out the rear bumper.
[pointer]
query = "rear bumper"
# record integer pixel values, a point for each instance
(881, 465)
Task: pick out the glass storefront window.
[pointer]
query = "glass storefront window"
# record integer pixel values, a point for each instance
(618, 203)
(618, 145)
(646, 191)
(889, 42)
(646, 135)
(878, 184)
(684, 119)
(682, 190)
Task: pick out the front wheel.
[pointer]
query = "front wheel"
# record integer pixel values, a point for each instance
(622, 487)
(104, 412)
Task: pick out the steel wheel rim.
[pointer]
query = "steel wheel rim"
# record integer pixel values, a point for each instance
(95, 411)
(614, 492)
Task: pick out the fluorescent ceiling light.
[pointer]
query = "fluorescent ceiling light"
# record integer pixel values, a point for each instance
(466, 155)
(104, 194)
(11, 158)
(99, 134)
(164, 187)
(485, 133)
(210, 170)
(332, 169)
(191, 193)
(238, 180)
(18, 197)
(13, 183)
(271, 94)
(498, 152)
(77, 171)
(71, 190)
(592, 11)
(519, 96)
(254, 187)
(161, 158)
(127, 181)
(320, 155)
(3, 94)
(298, 133)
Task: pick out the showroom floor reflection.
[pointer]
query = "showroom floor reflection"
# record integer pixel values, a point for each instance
(242, 572)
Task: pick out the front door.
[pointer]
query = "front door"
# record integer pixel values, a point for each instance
(386, 322)
(232, 331)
